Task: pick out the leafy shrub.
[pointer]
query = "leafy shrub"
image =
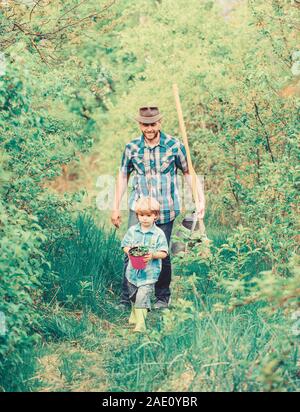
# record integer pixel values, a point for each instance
(31, 218)
(20, 267)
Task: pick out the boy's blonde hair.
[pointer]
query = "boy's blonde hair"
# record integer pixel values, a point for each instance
(147, 205)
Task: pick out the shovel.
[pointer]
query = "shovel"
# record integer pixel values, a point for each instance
(190, 224)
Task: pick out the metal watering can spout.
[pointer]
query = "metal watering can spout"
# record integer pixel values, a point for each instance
(194, 224)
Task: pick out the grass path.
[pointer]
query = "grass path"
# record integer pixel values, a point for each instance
(78, 363)
(190, 347)
(83, 352)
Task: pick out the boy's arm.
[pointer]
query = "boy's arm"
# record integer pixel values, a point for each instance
(160, 254)
(162, 248)
(126, 249)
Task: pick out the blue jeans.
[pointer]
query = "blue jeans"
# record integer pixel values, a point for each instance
(162, 286)
(140, 296)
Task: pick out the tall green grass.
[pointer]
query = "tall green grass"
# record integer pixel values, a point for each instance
(58, 325)
(19, 378)
(70, 355)
(236, 351)
(87, 267)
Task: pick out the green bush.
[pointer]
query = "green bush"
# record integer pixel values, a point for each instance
(20, 267)
(31, 218)
(46, 120)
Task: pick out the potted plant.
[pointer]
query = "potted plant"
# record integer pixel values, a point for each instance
(136, 255)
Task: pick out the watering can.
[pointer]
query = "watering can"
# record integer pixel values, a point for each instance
(191, 232)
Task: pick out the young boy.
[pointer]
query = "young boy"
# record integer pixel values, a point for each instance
(141, 281)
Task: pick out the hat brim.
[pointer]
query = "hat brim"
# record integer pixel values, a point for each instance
(148, 120)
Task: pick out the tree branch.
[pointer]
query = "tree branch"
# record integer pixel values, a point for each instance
(32, 10)
(257, 115)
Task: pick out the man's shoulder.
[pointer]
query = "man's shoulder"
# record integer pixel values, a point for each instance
(171, 141)
(134, 144)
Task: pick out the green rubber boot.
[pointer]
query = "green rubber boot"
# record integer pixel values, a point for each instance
(132, 317)
(141, 315)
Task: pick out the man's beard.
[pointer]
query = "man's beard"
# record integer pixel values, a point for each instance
(152, 137)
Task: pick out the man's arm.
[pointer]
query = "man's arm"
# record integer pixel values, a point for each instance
(182, 164)
(121, 186)
(200, 206)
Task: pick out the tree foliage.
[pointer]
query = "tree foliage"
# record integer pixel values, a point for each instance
(77, 78)
(46, 120)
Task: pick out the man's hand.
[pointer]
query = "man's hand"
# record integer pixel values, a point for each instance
(200, 212)
(116, 218)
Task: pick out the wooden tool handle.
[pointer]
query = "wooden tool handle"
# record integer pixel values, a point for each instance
(189, 159)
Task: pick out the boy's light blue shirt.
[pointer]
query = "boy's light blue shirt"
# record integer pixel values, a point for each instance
(156, 240)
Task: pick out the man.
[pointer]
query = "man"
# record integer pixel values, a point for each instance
(154, 157)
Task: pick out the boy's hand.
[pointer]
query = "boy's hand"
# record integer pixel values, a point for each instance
(148, 257)
(126, 249)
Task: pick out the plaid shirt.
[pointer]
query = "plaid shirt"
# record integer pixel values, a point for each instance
(155, 173)
(156, 240)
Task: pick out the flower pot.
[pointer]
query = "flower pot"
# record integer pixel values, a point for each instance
(137, 261)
